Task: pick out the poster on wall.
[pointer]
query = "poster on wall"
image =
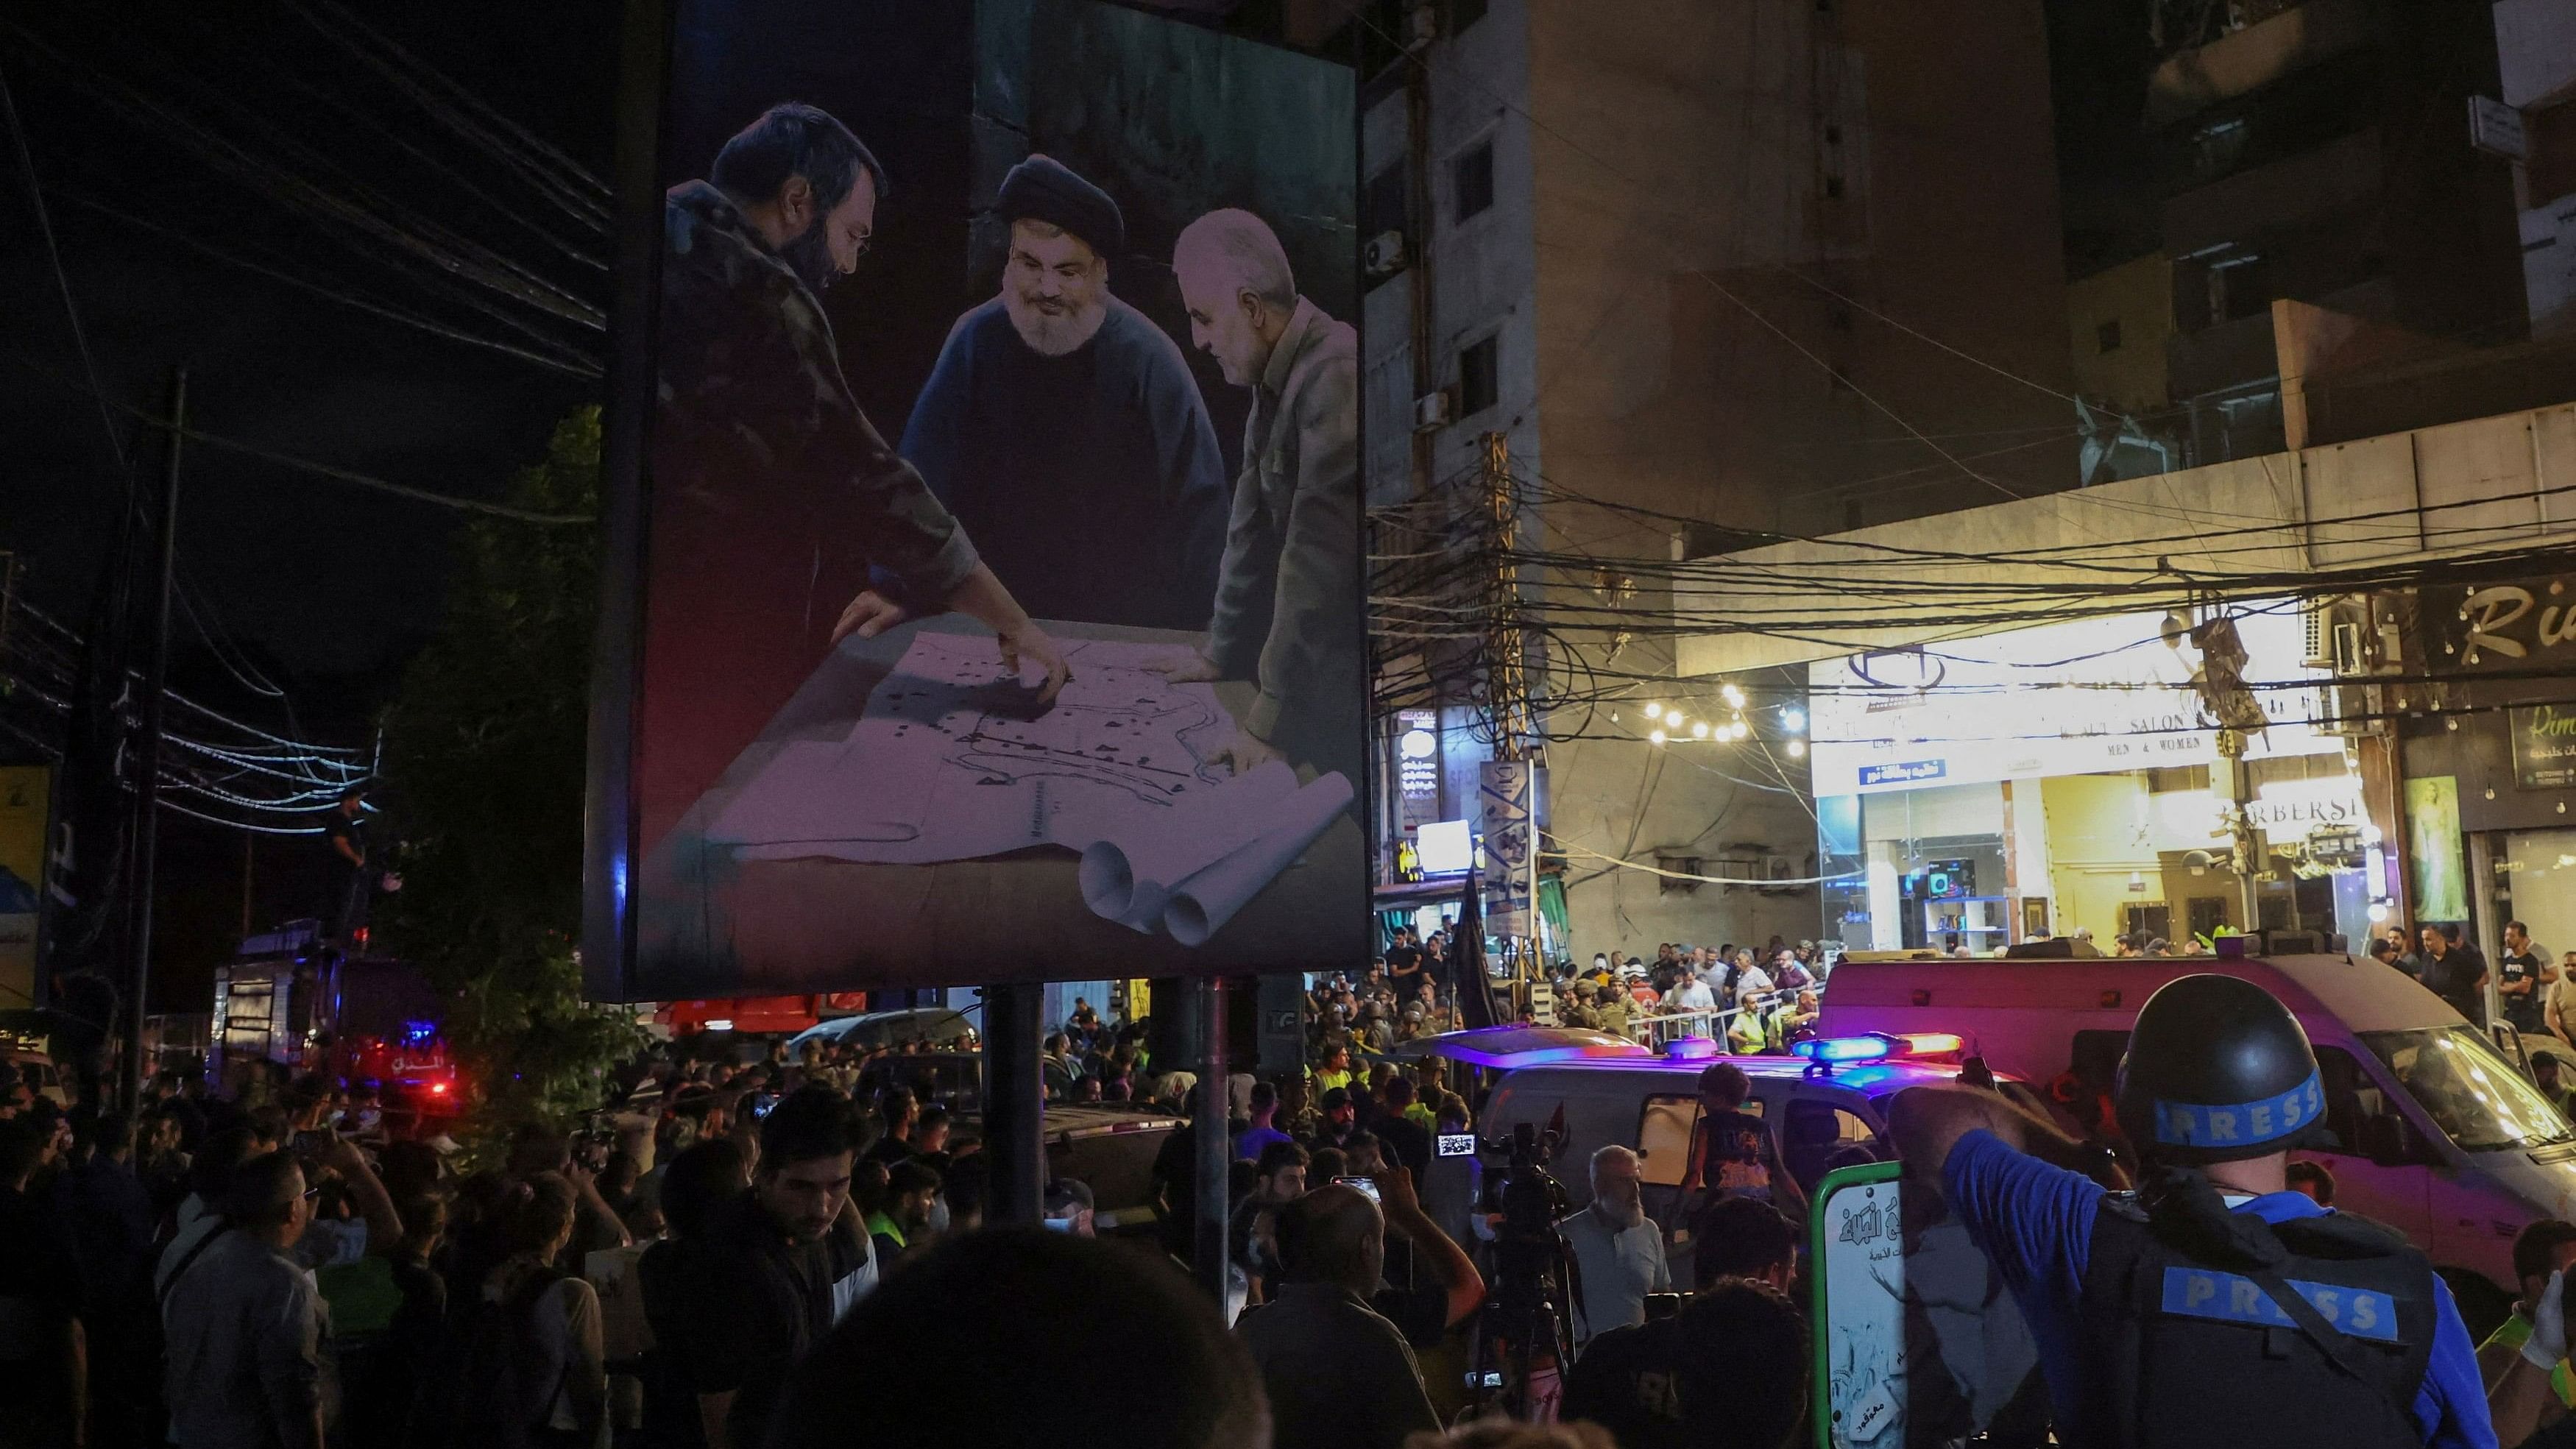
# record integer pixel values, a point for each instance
(1505, 791)
(995, 582)
(2433, 848)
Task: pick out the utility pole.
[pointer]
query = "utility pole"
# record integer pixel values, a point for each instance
(1213, 1151)
(147, 788)
(1014, 1103)
(1417, 247)
(1507, 660)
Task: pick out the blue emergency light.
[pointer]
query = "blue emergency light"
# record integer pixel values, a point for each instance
(1831, 1051)
(1834, 1051)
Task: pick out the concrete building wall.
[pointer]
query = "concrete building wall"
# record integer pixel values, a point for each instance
(2117, 323)
(2385, 500)
(1634, 801)
(1697, 161)
(1665, 174)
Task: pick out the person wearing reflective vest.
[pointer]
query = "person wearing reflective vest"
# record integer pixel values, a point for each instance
(2214, 1305)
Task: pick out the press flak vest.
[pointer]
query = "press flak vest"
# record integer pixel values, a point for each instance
(2187, 1350)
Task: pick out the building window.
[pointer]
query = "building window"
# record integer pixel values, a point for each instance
(1382, 203)
(1479, 379)
(1463, 13)
(1471, 179)
(1385, 238)
(2107, 336)
(2239, 287)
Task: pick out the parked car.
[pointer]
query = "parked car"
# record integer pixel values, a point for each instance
(37, 1071)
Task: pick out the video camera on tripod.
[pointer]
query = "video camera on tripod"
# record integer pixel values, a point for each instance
(1522, 1342)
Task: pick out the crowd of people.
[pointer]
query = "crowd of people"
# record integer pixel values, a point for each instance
(279, 1264)
(770, 1252)
(1756, 1000)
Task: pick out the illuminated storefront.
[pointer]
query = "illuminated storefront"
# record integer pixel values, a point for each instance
(2489, 755)
(1984, 791)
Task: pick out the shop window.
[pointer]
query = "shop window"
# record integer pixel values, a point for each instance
(2150, 920)
(2208, 913)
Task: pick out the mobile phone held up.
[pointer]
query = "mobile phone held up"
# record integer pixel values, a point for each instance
(1457, 1144)
(1366, 1185)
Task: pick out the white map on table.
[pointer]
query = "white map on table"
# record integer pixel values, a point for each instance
(945, 762)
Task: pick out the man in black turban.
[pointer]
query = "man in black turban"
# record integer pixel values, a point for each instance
(1063, 429)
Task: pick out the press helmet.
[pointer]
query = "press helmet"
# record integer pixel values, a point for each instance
(2217, 1070)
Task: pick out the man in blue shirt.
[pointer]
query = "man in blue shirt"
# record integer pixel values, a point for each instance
(2219, 1305)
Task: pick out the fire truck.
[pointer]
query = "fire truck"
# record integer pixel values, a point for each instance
(291, 996)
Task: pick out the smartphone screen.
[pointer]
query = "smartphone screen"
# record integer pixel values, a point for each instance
(1366, 1185)
(1457, 1144)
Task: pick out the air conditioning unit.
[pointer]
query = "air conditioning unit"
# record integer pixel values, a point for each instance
(1433, 411)
(1681, 866)
(1777, 869)
(2316, 634)
(2351, 710)
(2346, 656)
(1384, 254)
(1426, 26)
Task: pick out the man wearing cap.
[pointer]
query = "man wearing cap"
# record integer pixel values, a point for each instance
(1064, 429)
(2217, 1305)
(1285, 616)
(753, 410)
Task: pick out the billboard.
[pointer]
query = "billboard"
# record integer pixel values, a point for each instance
(985, 536)
(25, 798)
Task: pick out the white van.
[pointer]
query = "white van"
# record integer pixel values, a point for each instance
(1650, 1102)
(2435, 1131)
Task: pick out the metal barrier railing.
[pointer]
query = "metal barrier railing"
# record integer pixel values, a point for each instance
(1664, 1028)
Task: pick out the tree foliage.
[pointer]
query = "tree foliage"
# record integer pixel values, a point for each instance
(484, 759)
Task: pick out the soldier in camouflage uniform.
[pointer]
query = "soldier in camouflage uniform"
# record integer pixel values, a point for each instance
(751, 380)
(1612, 1014)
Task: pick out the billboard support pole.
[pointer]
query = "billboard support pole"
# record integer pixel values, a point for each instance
(147, 784)
(1014, 1103)
(1215, 1151)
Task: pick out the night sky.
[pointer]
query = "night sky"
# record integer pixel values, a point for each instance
(328, 588)
(326, 580)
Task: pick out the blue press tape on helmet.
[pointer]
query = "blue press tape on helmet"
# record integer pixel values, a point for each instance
(2241, 1124)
